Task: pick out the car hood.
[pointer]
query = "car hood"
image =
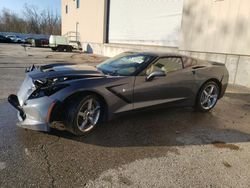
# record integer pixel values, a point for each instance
(60, 70)
(67, 67)
(54, 74)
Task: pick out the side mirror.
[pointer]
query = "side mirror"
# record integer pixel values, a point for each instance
(152, 75)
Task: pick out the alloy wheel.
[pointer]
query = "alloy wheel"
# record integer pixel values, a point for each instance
(209, 96)
(88, 115)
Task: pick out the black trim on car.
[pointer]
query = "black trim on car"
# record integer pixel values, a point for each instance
(118, 94)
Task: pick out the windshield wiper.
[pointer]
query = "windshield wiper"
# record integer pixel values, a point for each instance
(111, 73)
(100, 70)
(114, 73)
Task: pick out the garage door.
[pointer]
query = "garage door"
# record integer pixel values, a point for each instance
(150, 22)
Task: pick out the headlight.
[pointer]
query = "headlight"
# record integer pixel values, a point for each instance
(47, 91)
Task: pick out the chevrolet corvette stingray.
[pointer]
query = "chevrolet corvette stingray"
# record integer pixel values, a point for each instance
(77, 97)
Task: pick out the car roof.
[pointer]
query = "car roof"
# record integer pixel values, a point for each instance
(158, 54)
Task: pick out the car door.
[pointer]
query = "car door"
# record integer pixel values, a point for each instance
(175, 86)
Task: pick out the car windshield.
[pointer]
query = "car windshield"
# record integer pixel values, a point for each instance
(125, 64)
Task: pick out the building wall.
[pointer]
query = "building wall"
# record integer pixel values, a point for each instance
(217, 30)
(219, 26)
(90, 16)
(156, 22)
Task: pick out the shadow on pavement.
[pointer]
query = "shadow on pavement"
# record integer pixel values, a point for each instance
(227, 122)
(171, 127)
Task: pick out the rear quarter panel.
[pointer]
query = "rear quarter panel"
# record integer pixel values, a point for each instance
(217, 72)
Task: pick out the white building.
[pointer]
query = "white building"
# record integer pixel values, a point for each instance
(217, 30)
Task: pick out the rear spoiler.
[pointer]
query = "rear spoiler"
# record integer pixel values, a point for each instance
(217, 63)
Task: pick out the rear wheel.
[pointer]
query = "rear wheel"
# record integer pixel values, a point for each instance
(69, 49)
(83, 115)
(207, 97)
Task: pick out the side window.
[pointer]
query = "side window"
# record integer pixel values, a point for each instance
(188, 62)
(168, 64)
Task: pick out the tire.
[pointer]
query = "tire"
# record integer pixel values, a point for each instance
(60, 48)
(207, 97)
(81, 118)
(53, 49)
(69, 49)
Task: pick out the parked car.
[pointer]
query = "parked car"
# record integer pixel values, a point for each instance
(78, 97)
(4, 39)
(28, 40)
(15, 39)
(42, 42)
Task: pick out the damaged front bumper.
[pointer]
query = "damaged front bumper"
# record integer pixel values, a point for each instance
(34, 114)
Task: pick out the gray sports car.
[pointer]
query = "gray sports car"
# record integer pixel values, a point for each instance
(78, 97)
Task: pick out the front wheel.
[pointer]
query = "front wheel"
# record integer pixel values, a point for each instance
(60, 48)
(207, 96)
(84, 114)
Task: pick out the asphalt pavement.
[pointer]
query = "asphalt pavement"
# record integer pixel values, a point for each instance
(160, 148)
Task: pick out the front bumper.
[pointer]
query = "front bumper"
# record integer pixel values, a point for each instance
(34, 113)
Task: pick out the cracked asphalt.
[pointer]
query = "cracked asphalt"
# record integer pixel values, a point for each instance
(160, 148)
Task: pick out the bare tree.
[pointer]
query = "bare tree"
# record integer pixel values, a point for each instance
(32, 18)
(11, 22)
(50, 22)
(34, 21)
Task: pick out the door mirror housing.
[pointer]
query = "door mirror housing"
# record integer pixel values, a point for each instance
(154, 74)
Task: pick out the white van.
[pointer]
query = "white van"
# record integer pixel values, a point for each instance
(60, 43)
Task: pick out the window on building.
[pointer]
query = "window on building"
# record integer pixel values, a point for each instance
(77, 3)
(66, 9)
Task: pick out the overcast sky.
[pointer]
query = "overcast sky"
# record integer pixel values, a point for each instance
(17, 5)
